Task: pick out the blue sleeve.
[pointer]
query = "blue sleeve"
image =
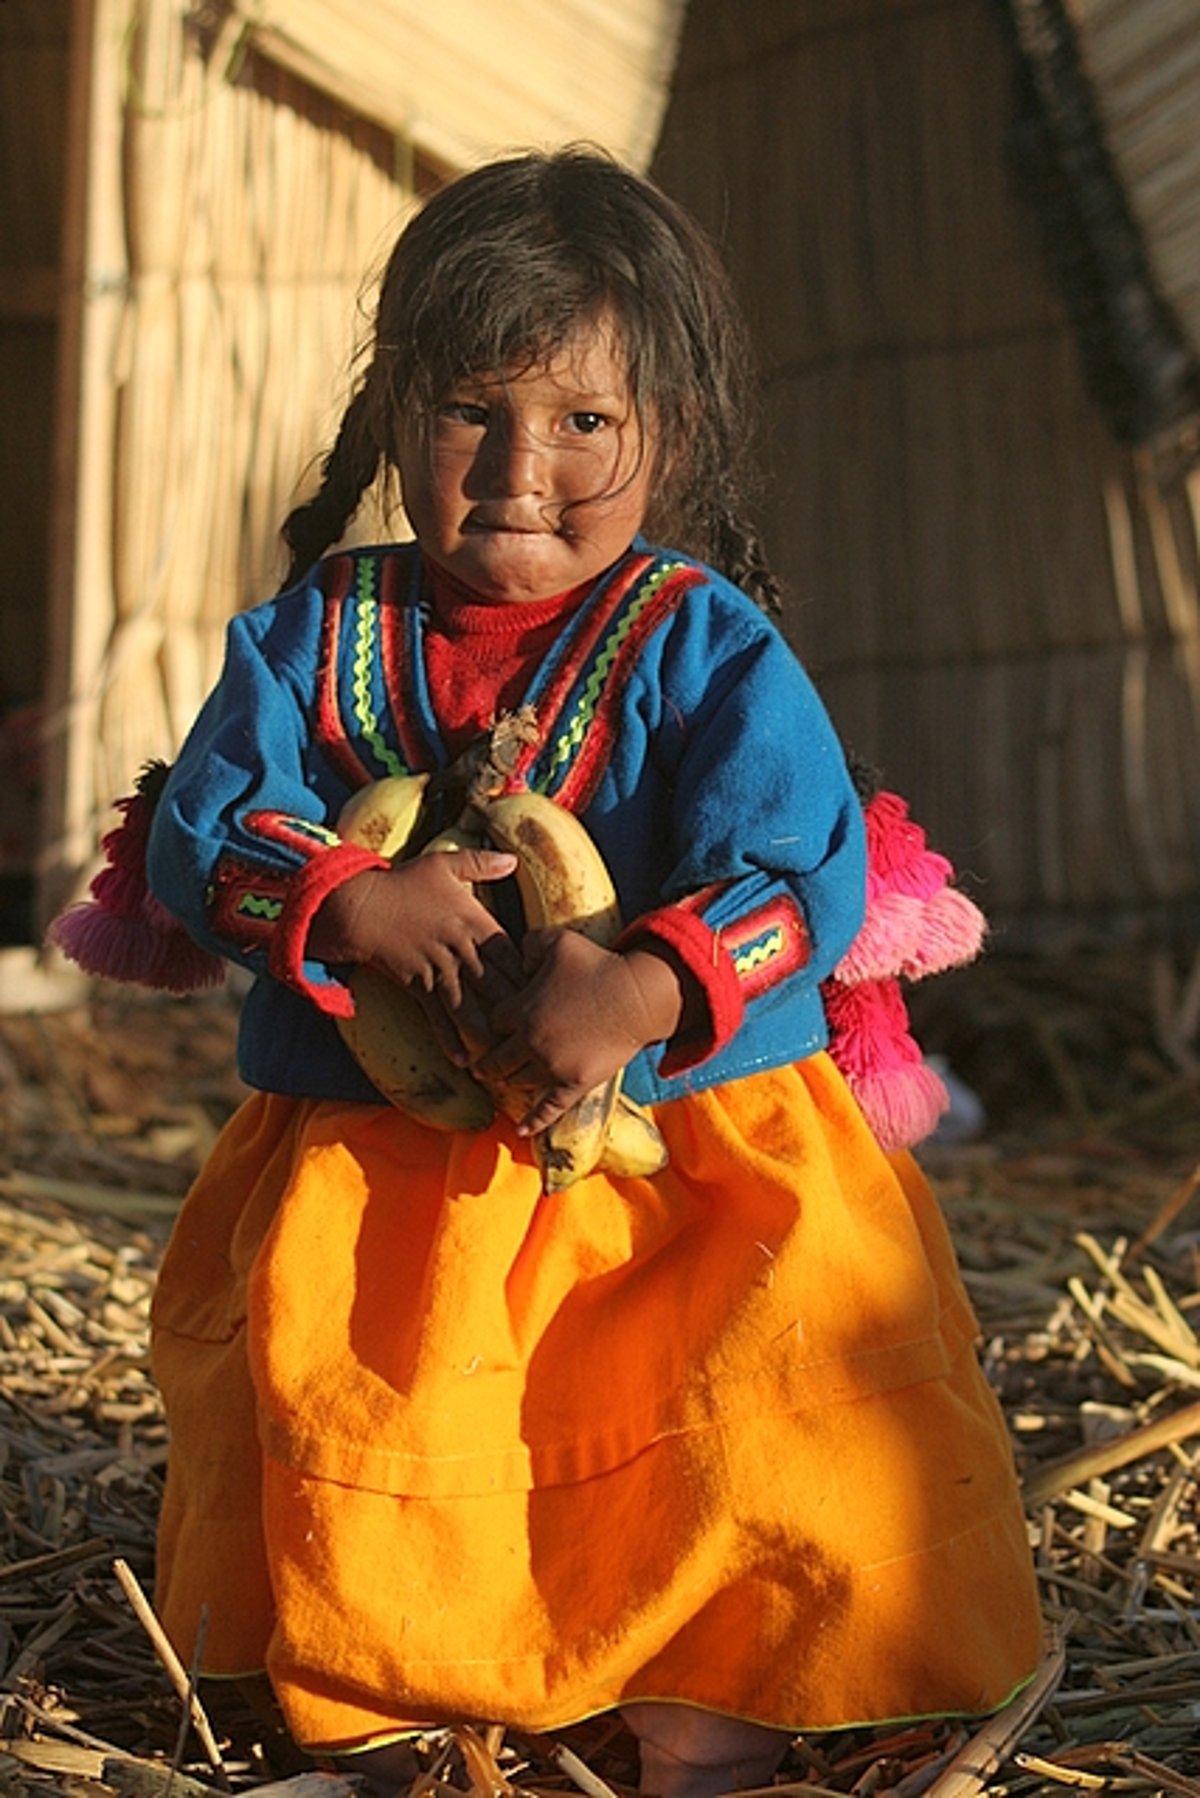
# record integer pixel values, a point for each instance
(771, 811)
(241, 850)
(767, 886)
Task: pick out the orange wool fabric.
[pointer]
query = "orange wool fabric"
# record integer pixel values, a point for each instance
(442, 1446)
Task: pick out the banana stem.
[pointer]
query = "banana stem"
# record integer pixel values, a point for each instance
(474, 776)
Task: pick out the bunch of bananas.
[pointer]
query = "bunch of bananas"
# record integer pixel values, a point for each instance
(563, 883)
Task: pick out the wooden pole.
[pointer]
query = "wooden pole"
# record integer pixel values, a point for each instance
(93, 295)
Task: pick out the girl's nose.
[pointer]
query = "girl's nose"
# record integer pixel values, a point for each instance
(519, 463)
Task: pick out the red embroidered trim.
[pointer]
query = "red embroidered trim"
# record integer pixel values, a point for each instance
(330, 735)
(246, 901)
(582, 644)
(301, 835)
(699, 949)
(395, 654)
(767, 944)
(586, 772)
(307, 891)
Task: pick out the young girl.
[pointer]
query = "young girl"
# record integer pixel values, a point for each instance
(712, 1446)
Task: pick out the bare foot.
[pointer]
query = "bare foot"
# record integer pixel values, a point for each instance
(690, 1753)
(388, 1771)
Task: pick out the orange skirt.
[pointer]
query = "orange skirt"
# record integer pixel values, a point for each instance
(443, 1447)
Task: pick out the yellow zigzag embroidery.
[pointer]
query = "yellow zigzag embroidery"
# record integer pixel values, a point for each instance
(364, 658)
(585, 708)
(756, 954)
(260, 908)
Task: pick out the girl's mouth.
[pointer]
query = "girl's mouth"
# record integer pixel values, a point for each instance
(508, 527)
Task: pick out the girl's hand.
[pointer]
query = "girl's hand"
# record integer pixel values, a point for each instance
(583, 1013)
(419, 922)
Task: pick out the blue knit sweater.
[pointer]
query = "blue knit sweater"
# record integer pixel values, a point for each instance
(674, 719)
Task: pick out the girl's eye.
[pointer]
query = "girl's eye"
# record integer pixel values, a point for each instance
(463, 412)
(587, 423)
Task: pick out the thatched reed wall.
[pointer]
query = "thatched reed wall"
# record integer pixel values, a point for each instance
(234, 173)
(999, 600)
(466, 78)
(1143, 64)
(216, 238)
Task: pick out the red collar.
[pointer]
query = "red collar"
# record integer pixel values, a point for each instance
(460, 611)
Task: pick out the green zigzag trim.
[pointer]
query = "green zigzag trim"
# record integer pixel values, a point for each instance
(365, 651)
(585, 709)
(318, 833)
(260, 908)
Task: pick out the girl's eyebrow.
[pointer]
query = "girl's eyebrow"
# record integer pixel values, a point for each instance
(586, 400)
(575, 399)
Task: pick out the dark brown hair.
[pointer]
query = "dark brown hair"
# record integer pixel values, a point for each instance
(495, 273)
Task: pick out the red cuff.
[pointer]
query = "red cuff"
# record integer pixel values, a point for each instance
(699, 949)
(307, 892)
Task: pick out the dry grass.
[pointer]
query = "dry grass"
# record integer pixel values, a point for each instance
(1078, 1231)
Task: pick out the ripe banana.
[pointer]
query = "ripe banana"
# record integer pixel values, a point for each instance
(392, 1041)
(561, 874)
(633, 1146)
(573, 1146)
(563, 883)
(383, 816)
(389, 1035)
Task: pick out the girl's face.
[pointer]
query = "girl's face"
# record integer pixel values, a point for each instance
(525, 485)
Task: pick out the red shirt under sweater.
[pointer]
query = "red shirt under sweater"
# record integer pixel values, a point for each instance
(480, 654)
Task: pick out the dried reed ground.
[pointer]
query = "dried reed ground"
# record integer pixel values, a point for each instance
(1079, 1233)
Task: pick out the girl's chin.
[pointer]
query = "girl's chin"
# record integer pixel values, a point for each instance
(515, 569)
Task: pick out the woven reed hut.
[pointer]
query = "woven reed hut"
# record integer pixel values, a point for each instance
(968, 234)
(190, 194)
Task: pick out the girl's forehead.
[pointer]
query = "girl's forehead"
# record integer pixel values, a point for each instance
(591, 357)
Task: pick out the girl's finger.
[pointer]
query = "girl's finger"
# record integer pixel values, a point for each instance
(468, 1025)
(507, 1061)
(444, 1026)
(502, 968)
(549, 1108)
(534, 945)
(446, 980)
(481, 864)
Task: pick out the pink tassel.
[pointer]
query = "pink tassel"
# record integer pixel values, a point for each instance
(898, 860)
(869, 1026)
(902, 1106)
(181, 965)
(158, 917)
(916, 923)
(889, 938)
(122, 932)
(105, 943)
(870, 1042)
(951, 934)
(133, 947)
(119, 890)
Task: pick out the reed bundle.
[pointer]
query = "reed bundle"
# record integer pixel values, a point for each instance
(252, 212)
(998, 595)
(1144, 64)
(448, 77)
